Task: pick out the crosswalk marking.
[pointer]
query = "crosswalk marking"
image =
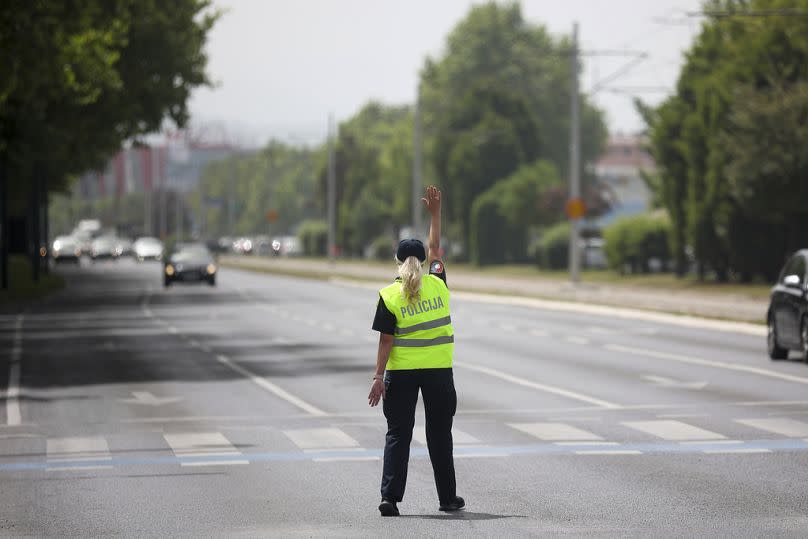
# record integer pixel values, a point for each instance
(560, 432)
(77, 449)
(608, 452)
(203, 444)
(321, 439)
(673, 430)
(787, 427)
(458, 436)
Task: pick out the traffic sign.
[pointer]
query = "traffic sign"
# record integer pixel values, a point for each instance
(272, 216)
(575, 208)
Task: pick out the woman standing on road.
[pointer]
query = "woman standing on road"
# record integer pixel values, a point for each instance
(416, 344)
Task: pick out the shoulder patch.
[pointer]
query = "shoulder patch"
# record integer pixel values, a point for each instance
(436, 267)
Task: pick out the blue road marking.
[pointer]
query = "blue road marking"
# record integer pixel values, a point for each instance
(419, 452)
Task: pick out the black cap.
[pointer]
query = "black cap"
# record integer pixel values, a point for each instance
(411, 247)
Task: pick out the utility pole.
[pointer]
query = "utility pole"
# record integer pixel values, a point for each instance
(417, 167)
(163, 199)
(332, 193)
(230, 198)
(177, 214)
(575, 158)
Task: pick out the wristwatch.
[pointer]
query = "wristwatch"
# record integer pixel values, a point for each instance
(378, 377)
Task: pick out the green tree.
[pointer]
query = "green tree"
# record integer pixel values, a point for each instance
(716, 144)
(499, 69)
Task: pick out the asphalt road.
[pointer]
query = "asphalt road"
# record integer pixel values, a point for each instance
(241, 410)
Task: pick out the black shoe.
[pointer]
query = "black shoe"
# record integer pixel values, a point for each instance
(388, 508)
(458, 504)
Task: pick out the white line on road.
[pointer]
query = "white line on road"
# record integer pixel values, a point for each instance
(321, 439)
(673, 430)
(779, 425)
(272, 388)
(707, 363)
(204, 444)
(576, 340)
(13, 415)
(541, 387)
(555, 432)
(736, 451)
(608, 452)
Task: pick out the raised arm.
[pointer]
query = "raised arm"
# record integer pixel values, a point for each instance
(432, 203)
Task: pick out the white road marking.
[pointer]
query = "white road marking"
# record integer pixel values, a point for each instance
(608, 452)
(711, 442)
(12, 396)
(680, 416)
(662, 381)
(564, 444)
(328, 327)
(92, 448)
(458, 436)
(368, 338)
(272, 388)
(321, 439)
(787, 427)
(555, 432)
(510, 328)
(540, 387)
(480, 455)
(707, 363)
(538, 333)
(576, 340)
(736, 451)
(673, 430)
(204, 444)
(345, 459)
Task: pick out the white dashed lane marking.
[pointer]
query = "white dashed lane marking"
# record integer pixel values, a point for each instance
(204, 444)
(673, 430)
(555, 432)
(787, 427)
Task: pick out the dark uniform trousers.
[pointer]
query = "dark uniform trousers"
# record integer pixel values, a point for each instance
(440, 403)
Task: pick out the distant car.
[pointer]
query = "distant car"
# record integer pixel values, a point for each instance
(190, 262)
(243, 246)
(104, 247)
(787, 318)
(66, 249)
(123, 247)
(287, 246)
(147, 248)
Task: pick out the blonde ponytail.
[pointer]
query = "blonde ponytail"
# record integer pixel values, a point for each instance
(410, 273)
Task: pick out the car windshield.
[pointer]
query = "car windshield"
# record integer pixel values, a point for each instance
(191, 252)
(148, 241)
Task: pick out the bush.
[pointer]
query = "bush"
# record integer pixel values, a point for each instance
(552, 249)
(632, 242)
(313, 236)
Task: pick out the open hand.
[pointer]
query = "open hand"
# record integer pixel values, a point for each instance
(432, 199)
(377, 392)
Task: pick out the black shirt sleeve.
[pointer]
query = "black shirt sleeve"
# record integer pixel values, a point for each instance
(385, 321)
(437, 269)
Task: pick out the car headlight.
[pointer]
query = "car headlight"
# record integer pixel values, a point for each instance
(169, 270)
(211, 269)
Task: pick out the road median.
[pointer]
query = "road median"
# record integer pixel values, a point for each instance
(717, 306)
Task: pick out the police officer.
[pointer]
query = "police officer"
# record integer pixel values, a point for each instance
(416, 342)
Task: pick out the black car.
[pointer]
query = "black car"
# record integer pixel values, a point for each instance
(787, 318)
(189, 262)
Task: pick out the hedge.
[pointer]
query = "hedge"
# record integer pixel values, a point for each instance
(632, 242)
(552, 249)
(313, 236)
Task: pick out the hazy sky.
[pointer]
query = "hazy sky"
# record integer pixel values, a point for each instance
(282, 65)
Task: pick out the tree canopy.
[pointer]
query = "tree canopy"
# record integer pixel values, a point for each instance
(729, 142)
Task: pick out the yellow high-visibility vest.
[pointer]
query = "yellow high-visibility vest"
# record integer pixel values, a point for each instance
(424, 336)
